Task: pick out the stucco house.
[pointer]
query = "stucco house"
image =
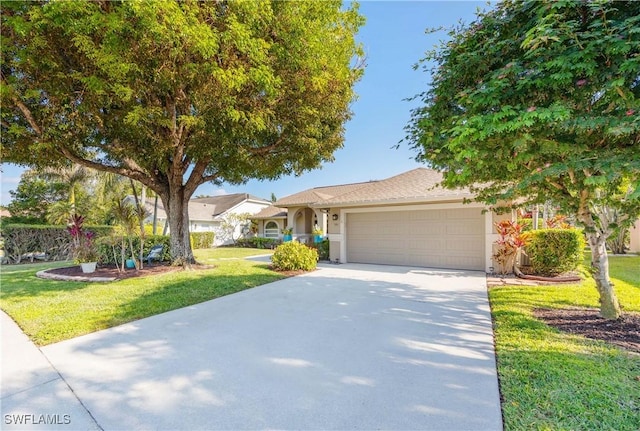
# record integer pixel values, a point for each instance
(634, 237)
(206, 214)
(403, 220)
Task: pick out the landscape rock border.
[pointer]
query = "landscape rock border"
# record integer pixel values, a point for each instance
(60, 277)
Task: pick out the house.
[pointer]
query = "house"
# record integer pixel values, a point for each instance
(634, 237)
(206, 214)
(403, 220)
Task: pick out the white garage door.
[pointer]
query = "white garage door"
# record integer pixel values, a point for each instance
(449, 238)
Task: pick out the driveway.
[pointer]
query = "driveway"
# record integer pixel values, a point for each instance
(345, 347)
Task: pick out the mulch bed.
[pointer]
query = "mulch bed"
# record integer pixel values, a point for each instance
(624, 332)
(111, 271)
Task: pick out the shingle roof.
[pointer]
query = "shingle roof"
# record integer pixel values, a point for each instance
(219, 204)
(207, 208)
(420, 184)
(271, 212)
(318, 194)
(416, 185)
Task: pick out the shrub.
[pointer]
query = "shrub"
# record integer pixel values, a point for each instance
(323, 249)
(554, 251)
(202, 239)
(258, 242)
(293, 256)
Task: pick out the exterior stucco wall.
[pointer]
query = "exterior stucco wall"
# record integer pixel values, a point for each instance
(337, 228)
(634, 234)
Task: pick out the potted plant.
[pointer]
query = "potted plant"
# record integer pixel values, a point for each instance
(287, 234)
(317, 233)
(83, 248)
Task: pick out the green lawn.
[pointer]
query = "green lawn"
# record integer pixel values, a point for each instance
(554, 381)
(49, 311)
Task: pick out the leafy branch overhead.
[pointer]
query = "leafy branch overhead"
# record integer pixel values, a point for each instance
(537, 101)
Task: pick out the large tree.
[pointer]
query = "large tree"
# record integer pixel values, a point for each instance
(538, 101)
(176, 94)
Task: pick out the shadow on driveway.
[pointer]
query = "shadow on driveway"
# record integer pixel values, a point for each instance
(345, 347)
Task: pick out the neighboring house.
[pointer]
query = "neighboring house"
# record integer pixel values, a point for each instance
(634, 237)
(403, 220)
(207, 214)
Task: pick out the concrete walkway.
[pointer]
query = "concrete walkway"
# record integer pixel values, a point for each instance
(345, 347)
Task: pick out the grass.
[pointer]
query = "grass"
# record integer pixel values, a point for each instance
(550, 380)
(50, 311)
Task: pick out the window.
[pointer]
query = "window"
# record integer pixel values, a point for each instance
(271, 230)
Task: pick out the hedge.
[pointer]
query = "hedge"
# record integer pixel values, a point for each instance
(554, 251)
(258, 242)
(202, 239)
(43, 242)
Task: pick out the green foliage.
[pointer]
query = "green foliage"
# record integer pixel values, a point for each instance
(293, 256)
(539, 100)
(32, 197)
(48, 242)
(177, 94)
(554, 251)
(202, 239)
(109, 247)
(258, 242)
(323, 249)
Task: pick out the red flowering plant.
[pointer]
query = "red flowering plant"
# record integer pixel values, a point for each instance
(509, 244)
(82, 241)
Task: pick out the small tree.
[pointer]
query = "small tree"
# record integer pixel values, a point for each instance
(126, 216)
(537, 101)
(233, 226)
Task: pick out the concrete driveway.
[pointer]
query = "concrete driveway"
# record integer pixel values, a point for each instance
(345, 347)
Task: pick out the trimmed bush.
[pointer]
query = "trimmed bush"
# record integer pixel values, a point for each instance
(202, 239)
(293, 256)
(554, 251)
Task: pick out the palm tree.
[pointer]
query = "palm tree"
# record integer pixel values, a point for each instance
(73, 176)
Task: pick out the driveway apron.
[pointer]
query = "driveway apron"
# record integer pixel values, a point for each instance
(344, 347)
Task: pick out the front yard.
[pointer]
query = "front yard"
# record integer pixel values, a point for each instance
(51, 311)
(553, 380)
(548, 379)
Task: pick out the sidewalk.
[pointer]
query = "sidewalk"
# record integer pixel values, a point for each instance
(34, 395)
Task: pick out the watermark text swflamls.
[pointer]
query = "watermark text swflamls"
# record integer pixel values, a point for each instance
(38, 419)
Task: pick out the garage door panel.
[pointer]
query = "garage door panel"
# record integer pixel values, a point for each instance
(436, 238)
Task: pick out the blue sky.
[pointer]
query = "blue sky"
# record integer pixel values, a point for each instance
(394, 39)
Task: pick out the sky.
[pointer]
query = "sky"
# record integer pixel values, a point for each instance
(394, 39)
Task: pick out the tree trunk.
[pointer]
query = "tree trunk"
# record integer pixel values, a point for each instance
(176, 204)
(609, 305)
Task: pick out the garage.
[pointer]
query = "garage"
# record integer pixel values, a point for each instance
(439, 238)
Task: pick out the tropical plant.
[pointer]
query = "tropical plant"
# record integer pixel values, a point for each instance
(176, 94)
(509, 243)
(539, 101)
(83, 248)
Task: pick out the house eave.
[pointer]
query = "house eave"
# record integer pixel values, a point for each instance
(386, 202)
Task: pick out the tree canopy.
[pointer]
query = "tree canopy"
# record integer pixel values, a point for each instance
(176, 94)
(537, 101)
